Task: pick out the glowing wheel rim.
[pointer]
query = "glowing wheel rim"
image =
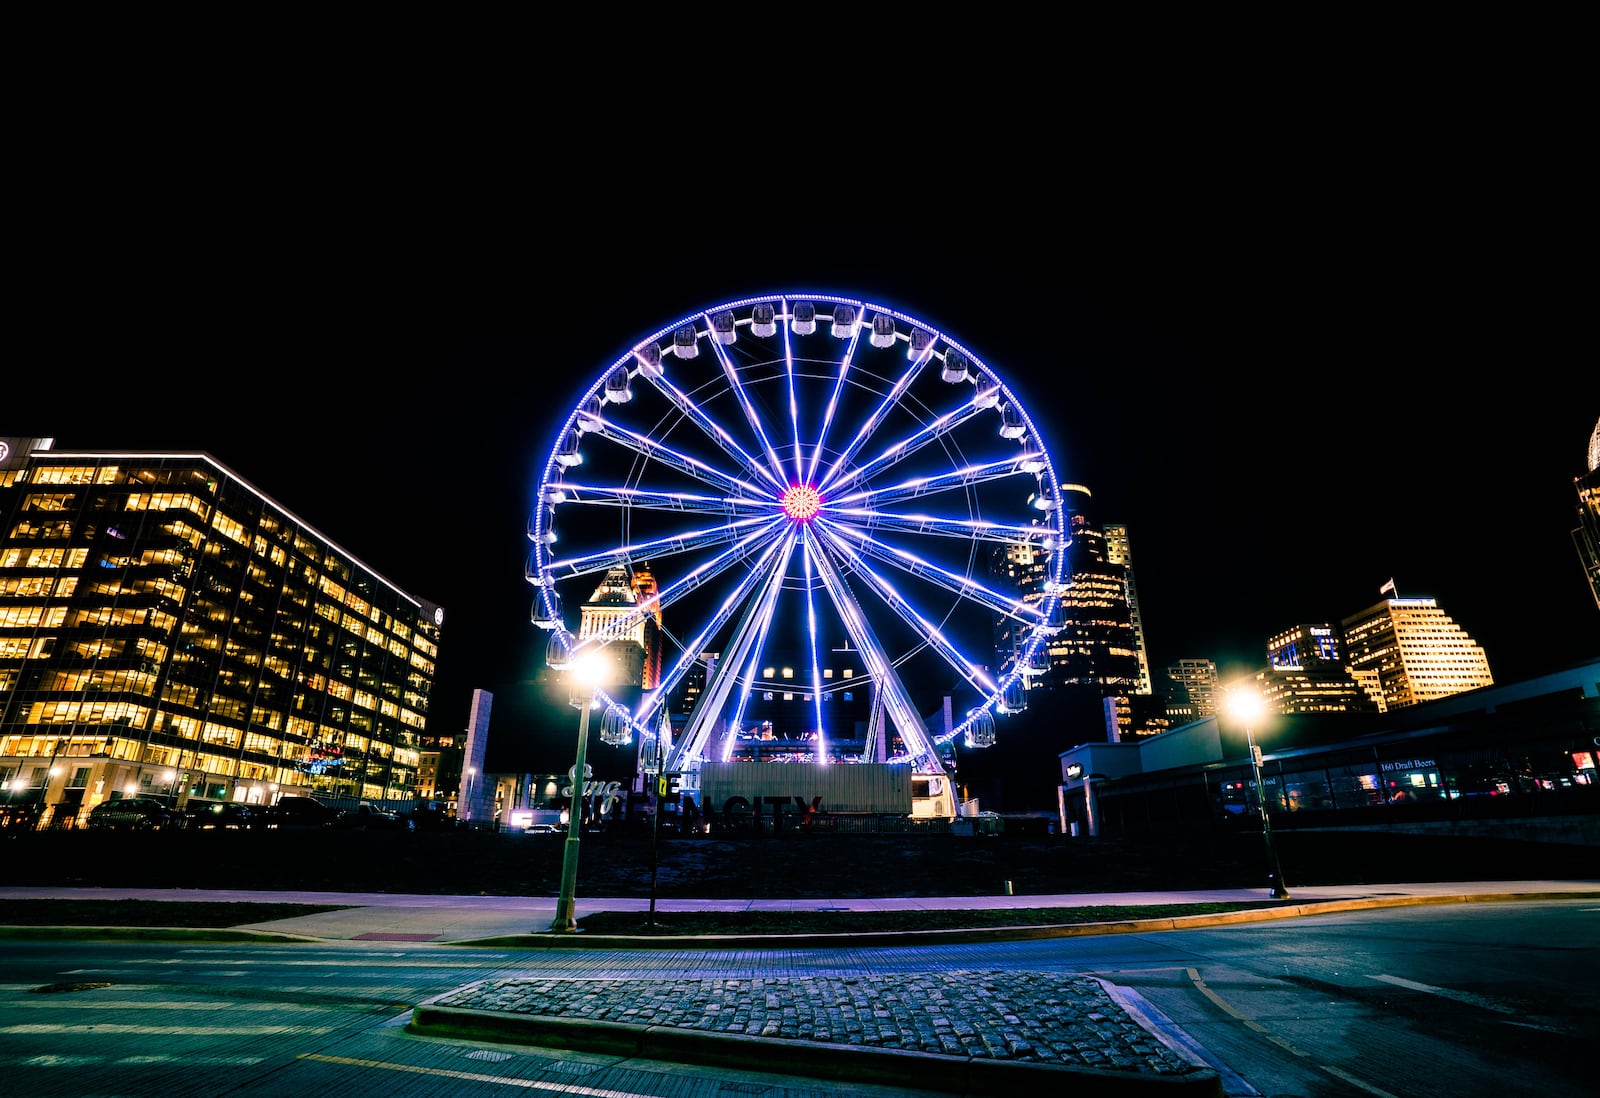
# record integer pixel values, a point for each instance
(806, 474)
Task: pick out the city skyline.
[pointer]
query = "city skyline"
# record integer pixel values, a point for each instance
(1277, 450)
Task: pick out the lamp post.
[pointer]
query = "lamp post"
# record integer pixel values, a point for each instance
(1247, 706)
(660, 780)
(586, 676)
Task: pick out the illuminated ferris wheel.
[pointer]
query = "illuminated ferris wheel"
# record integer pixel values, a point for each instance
(810, 480)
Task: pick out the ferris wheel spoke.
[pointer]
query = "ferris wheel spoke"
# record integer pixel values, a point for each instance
(808, 475)
(743, 531)
(870, 426)
(566, 493)
(816, 657)
(896, 699)
(713, 430)
(676, 459)
(964, 477)
(741, 646)
(725, 610)
(623, 624)
(972, 672)
(906, 447)
(751, 415)
(913, 565)
(994, 533)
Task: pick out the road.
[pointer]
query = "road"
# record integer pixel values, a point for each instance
(1485, 998)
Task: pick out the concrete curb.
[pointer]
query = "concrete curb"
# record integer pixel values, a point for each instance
(886, 1067)
(581, 940)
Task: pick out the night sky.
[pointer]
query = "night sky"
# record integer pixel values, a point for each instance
(1287, 407)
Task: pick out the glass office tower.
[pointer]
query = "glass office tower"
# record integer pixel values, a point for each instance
(168, 630)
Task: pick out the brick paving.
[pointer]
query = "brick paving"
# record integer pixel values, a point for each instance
(1030, 1017)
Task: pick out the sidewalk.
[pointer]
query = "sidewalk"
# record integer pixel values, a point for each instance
(966, 1031)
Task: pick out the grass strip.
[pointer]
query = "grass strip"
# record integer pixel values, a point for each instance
(800, 921)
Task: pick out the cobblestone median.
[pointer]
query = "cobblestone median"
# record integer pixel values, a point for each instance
(1034, 1017)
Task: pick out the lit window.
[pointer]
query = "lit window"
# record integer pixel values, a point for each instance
(849, 673)
(788, 672)
(767, 672)
(827, 672)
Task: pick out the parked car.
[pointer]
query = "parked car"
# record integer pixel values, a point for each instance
(231, 815)
(134, 814)
(300, 811)
(369, 817)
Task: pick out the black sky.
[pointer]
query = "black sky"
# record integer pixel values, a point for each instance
(1287, 399)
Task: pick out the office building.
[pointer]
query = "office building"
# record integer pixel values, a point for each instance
(1099, 645)
(166, 629)
(1119, 552)
(1191, 689)
(1407, 651)
(1305, 673)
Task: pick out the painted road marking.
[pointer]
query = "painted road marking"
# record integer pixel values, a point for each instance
(1470, 999)
(1288, 1046)
(478, 1077)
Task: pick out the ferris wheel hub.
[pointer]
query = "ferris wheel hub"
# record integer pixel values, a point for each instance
(801, 502)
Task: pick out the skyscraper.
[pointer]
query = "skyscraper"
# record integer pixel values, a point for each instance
(1406, 651)
(1119, 552)
(1098, 645)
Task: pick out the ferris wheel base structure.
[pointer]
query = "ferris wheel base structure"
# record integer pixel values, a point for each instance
(805, 474)
(854, 789)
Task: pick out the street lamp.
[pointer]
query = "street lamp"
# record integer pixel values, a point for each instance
(1247, 706)
(586, 674)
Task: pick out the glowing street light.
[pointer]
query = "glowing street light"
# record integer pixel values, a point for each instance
(1248, 706)
(587, 671)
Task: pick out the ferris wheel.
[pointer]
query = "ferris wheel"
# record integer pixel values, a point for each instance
(832, 501)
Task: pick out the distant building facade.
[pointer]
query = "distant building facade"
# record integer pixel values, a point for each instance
(1306, 673)
(1192, 689)
(1120, 552)
(167, 629)
(1407, 651)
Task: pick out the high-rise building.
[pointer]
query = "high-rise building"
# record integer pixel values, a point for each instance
(1406, 651)
(167, 629)
(1192, 689)
(1587, 534)
(1119, 552)
(1099, 650)
(1098, 645)
(1305, 673)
